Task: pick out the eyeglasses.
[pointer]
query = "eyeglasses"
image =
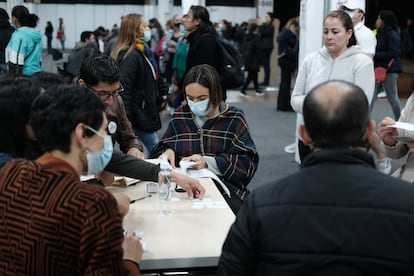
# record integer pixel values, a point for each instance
(105, 95)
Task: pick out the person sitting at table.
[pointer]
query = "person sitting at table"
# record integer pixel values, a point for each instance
(64, 226)
(17, 94)
(211, 133)
(337, 215)
(102, 75)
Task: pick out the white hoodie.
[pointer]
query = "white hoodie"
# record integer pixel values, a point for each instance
(317, 67)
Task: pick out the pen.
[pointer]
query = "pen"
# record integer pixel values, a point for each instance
(140, 198)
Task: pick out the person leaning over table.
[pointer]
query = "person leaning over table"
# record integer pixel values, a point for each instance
(337, 215)
(102, 75)
(64, 227)
(211, 133)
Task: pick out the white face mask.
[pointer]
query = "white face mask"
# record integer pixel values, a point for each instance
(199, 108)
(351, 14)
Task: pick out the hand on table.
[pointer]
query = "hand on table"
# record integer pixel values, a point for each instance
(199, 161)
(189, 184)
(132, 247)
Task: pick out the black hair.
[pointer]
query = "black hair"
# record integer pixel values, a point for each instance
(85, 35)
(17, 94)
(389, 19)
(207, 76)
(57, 112)
(47, 80)
(99, 68)
(338, 123)
(24, 17)
(3, 14)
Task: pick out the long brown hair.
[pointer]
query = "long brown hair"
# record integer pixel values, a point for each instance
(128, 33)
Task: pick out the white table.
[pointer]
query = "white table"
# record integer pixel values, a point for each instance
(189, 238)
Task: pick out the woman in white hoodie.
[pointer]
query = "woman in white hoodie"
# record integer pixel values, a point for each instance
(339, 59)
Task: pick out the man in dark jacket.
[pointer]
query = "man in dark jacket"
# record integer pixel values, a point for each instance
(338, 215)
(87, 47)
(6, 31)
(202, 39)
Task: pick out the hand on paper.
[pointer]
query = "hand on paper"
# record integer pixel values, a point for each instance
(387, 133)
(132, 247)
(189, 184)
(199, 161)
(170, 156)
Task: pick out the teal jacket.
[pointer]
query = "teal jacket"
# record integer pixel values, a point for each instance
(25, 49)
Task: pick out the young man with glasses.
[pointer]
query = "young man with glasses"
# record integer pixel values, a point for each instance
(101, 74)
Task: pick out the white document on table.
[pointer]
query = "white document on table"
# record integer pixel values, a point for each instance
(185, 168)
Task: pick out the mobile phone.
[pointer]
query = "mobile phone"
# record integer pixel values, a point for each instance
(178, 189)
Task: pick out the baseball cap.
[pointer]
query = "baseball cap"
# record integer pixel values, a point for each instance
(354, 4)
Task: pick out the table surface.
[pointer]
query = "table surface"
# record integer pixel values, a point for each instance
(191, 236)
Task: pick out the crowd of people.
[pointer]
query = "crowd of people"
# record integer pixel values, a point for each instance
(103, 120)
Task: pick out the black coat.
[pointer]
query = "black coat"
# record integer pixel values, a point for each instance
(141, 91)
(388, 47)
(6, 32)
(203, 48)
(252, 52)
(267, 32)
(337, 216)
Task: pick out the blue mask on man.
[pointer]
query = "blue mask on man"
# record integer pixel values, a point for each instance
(199, 108)
(97, 161)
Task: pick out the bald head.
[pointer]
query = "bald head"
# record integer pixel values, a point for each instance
(336, 115)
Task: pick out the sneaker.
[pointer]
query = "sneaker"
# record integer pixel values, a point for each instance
(384, 165)
(291, 148)
(259, 93)
(382, 94)
(243, 94)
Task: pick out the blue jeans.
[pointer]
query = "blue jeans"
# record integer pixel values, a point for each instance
(391, 89)
(150, 140)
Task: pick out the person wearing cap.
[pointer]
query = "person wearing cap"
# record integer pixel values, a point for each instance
(365, 37)
(367, 42)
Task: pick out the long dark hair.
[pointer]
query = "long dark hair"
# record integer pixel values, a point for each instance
(24, 17)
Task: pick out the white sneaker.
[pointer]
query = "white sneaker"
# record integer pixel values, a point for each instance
(382, 94)
(384, 165)
(290, 148)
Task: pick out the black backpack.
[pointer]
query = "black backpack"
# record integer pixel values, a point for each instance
(232, 65)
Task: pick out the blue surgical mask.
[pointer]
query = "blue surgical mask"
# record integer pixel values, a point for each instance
(97, 161)
(147, 36)
(199, 108)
